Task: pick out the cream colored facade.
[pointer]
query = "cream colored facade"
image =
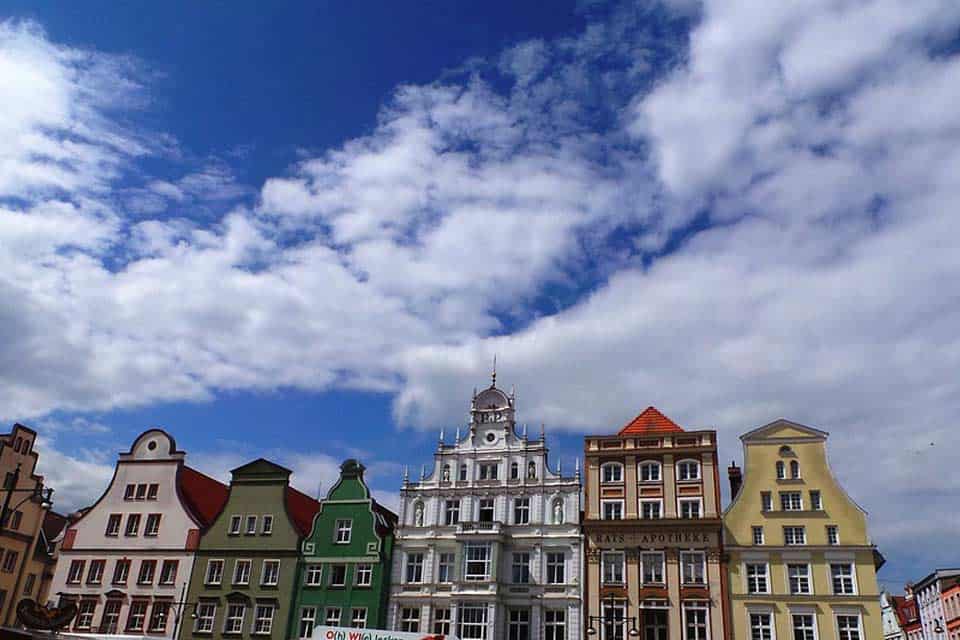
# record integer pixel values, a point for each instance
(801, 561)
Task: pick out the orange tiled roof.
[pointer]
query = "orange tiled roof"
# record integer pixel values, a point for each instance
(650, 421)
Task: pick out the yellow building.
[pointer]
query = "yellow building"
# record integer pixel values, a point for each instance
(800, 560)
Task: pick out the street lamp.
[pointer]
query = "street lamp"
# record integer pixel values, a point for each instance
(39, 493)
(614, 619)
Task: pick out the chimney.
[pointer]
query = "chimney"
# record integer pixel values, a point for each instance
(736, 479)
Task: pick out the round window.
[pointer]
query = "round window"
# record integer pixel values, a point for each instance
(152, 445)
(491, 437)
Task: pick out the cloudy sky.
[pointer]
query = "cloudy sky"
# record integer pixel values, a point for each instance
(304, 232)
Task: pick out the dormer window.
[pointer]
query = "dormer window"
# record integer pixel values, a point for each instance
(611, 472)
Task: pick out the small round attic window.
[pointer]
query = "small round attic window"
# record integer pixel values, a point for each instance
(152, 445)
(785, 450)
(491, 437)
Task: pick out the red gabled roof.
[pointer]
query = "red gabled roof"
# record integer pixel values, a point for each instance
(205, 497)
(301, 508)
(650, 421)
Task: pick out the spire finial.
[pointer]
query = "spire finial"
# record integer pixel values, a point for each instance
(423, 472)
(577, 467)
(559, 466)
(406, 473)
(493, 376)
(458, 434)
(524, 430)
(543, 433)
(441, 435)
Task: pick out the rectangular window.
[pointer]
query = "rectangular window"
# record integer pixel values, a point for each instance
(694, 623)
(410, 619)
(757, 535)
(331, 617)
(85, 614)
(518, 624)
(690, 508)
(152, 491)
(649, 509)
(611, 509)
(214, 572)
(121, 571)
(15, 519)
(137, 616)
(133, 524)
(113, 525)
(358, 618)
(803, 626)
(445, 568)
(521, 511)
(488, 471)
(649, 472)
(344, 531)
(270, 573)
(816, 502)
(556, 563)
(75, 574)
(692, 567)
(841, 575)
(477, 566)
(241, 572)
(761, 626)
(472, 622)
(263, 620)
(10, 561)
(651, 569)
(314, 575)
(463, 473)
(95, 573)
(451, 512)
(129, 492)
(141, 492)
(791, 501)
(28, 583)
(235, 523)
(833, 535)
(363, 574)
(338, 575)
(612, 472)
(266, 526)
(206, 612)
(158, 616)
(251, 529)
(486, 510)
(757, 578)
(613, 562)
(442, 619)
(521, 567)
(308, 618)
(233, 621)
(794, 535)
(766, 501)
(848, 627)
(168, 571)
(152, 527)
(798, 575)
(555, 624)
(415, 568)
(110, 621)
(147, 569)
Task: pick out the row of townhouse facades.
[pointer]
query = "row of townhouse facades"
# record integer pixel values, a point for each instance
(928, 610)
(491, 542)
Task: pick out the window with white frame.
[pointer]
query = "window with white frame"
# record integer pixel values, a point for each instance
(410, 619)
(75, 574)
(168, 571)
(158, 616)
(650, 471)
(791, 501)
(488, 470)
(842, 578)
(472, 622)
(344, 530)
(518, 624)
(794, 470)
(241, 572)
(451, 512)
(442, 621)
(520, 566)
(477, 562)
(251, 529)
(695, 621)
(233, 621)
(816, 501)
(358, 618)
(85, 614)
(338, 575)
(761, 626)
(758, 577)
(235, 523)
(555, 624)
(262, 620)
(803, 626)
(147, 570)
(137, 616)
(95, 573)
(445, 566)
(485, 510)
(690, 508)
(693, 567)
(152, 527)
(363, 574)
(798, 577)
(133, 525)
(308, 619)
(314, 575)
(766, 501)
(214, 572)
(611, 509)
(556, 565)
(266, 525)
(121, 571)
(781, 470)
(757, 535)
(794, 536)
(414, 568)
(206, 612)
(650, 509)
(613, 567)
(110, 621)
(688, 470)
(270, 573)
(848, 627)
(331, 617)
(651, 568)
(611, 472)
(833, 535)
(113, 525)
(521, 511)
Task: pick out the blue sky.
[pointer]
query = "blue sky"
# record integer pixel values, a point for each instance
(304, 231)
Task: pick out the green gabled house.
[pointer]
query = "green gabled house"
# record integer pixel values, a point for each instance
(345, 562)
(247, 562)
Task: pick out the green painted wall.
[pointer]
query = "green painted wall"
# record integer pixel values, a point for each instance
(349, 500)
(257, 489)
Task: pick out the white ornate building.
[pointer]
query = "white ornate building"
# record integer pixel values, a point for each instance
(489, 542)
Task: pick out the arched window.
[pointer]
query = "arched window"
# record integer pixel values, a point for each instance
(25, 448)
(16, 444)
(781, 470)
(514, 471)
(688, 470)
(794, 469)
(650, 471)
(611, 472)
(532, 470)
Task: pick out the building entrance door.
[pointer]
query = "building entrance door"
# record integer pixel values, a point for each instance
(654, 624)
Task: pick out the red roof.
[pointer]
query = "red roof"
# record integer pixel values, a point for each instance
(650, 421)
(301, 508)
(204, 496)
